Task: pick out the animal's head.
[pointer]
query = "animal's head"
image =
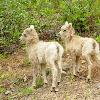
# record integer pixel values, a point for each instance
(67, 30)
(29, 34)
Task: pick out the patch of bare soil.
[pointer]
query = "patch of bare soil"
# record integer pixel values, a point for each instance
(16, 74)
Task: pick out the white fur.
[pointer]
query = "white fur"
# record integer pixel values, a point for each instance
(32, 26)
(77, 46)
(43, 54)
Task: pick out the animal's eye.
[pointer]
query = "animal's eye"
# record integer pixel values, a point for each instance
(64, 30)
(25, 35)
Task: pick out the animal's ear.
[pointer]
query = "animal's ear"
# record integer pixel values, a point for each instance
(31, 27)
(70, 24)
(72, 31)
(66, 23)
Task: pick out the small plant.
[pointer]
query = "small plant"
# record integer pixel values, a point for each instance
(26, 91)
(72, 78)
(3, 56)
(2, 90)
(39, 82)
(26, 62)
(98, 38)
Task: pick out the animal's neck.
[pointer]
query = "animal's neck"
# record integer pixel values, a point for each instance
(67, 40)
(32, 43)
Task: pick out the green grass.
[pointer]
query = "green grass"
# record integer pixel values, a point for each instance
(72, 78)
(3, 56)
(2, 89)
(39, 82)
(26, 91)
(26, 62)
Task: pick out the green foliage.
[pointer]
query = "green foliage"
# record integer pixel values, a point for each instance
(98, 38)
(82, 14)
(3, 56)
(16, 15)
(2, 90)
(26, 62)
(39, 82)
(26, 91)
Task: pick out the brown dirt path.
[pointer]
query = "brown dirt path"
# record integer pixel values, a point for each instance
(69, 88)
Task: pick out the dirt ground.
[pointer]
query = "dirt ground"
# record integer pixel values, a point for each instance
(16, 76)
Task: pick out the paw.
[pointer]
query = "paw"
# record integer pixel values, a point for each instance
(58, 83)
(45, 82)
(75, 76)
(88, 80)
(54, 89)
(78, 72)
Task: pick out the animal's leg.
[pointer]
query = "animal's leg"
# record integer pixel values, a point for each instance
(34, 77)
(54, 77)
(78, 63)
(88, 59)
(43, 67)
(59, 72)
(74, 65)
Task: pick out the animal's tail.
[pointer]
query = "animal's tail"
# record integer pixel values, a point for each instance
(98, 56)
(97, 49)
(60, 51)
(97, 52)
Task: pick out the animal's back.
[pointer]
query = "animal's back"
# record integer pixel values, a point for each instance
(90, 46)
(48, 51)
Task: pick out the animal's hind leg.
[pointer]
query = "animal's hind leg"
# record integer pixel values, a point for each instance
(78, 63)
(54, 76)
(88, 59)
(43, 67)
(59, 72)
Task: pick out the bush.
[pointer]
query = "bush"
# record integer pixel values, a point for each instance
(47, 16)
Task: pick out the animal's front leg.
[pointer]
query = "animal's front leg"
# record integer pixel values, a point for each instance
(74, 69)
(43, 67)
(34, 77)
(36, 69)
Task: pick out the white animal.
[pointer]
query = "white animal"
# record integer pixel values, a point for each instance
(79, 46)
(43, 54)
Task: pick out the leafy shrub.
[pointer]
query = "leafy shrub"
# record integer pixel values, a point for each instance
(83, 14)
(47, 16)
